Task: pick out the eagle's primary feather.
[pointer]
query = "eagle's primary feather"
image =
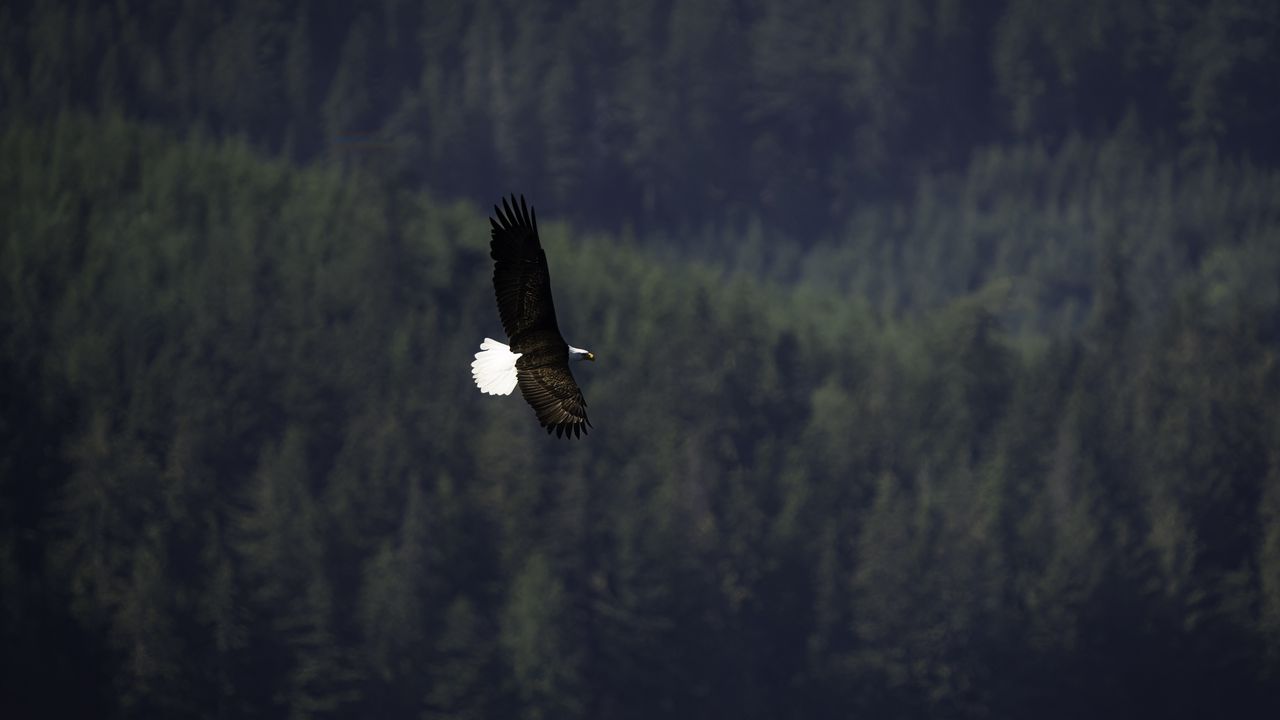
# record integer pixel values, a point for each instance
(522, 285)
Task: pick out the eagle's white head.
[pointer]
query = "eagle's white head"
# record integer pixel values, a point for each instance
(580, 354)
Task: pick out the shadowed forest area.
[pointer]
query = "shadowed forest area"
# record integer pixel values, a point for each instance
(938, 360)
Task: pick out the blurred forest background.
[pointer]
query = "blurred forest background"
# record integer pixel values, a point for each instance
(938, 359)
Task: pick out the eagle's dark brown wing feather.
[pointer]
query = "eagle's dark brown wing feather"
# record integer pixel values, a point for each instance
(521, 280)
(556, 399)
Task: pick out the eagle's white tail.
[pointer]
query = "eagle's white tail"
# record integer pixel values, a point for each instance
(494, 368)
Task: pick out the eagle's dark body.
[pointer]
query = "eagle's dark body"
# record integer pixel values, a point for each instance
(522, 285)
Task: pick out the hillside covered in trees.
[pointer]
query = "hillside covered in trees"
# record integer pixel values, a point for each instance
(662, 114)
(939, 360)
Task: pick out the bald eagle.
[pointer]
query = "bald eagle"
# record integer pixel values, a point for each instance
(537, 358)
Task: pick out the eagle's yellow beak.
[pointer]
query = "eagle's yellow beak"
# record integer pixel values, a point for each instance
(591, 356)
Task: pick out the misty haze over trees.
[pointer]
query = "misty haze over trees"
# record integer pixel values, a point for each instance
(939, 360)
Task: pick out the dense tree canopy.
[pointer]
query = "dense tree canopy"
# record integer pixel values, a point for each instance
(937, 360)
(663, 114)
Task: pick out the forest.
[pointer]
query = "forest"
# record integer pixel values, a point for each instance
(938, 359)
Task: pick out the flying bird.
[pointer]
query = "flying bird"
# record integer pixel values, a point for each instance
(537, 358)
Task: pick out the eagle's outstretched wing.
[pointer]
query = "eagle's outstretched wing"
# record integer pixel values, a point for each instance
(521, 280)
(556, 399)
